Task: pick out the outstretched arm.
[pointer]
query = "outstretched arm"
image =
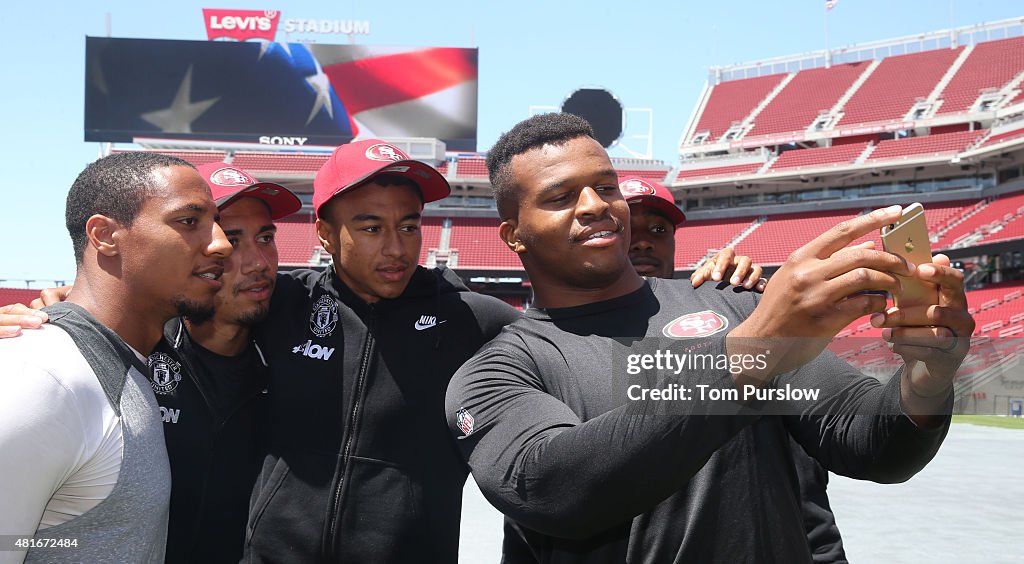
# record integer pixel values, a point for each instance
(537, 462)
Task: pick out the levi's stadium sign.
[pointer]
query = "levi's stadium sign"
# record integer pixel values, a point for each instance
(243, 25)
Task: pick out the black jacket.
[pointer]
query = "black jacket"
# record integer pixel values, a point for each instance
(361, 466)
(212, 408)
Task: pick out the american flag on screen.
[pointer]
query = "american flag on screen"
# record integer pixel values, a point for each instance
(829, 4)
(402, 92)
(242, 91)
(208, 90)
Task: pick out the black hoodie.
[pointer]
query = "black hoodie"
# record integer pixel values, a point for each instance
(212, 407)
(361, 465)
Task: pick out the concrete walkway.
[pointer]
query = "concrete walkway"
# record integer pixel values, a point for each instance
(966, 506)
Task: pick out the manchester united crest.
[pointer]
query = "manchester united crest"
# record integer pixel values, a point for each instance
(693, 325)
(324, 318)
(164, 373)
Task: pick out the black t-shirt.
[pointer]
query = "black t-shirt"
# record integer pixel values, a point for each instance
(586, 475)
(213, 412)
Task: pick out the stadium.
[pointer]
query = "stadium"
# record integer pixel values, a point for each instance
(775, 152)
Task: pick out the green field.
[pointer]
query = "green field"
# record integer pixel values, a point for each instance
(991, 421)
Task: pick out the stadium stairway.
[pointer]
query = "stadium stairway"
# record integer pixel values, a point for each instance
(948, 76)
(798, 105)
(732, 242)
(748, 122)
(851, 91)
(892, 91)
(990, 65)
(733, 102)
(940, 234)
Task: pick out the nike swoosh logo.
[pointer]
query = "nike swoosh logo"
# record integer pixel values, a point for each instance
(420, 327)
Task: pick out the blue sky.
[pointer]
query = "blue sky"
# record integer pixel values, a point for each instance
(650, 54)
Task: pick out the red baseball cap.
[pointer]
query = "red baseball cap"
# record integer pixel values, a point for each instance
(645, 192)
(228, 183)
(355, 163)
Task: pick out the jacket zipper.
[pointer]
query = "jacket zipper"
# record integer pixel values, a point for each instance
(350, 433)
(218, 426)
(214, 440)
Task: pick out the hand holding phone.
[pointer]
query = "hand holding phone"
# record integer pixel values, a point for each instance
(908, 238)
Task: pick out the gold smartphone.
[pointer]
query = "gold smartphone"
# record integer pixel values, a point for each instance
(908, 238)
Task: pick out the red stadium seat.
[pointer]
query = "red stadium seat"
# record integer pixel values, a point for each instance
(471, 167)
(1014, 229)
(430, 227)
(991, 65)
(925, 146)
(838, 155)
(733, 101)
(479, 247)
(695, 238)
(894, 87)
(775, 239)
(195, 157)
(711, 172)
(296, 239)
(655, 175)
(279, 162)
(994, 212)
(1004, 136)
(802, 100)
(17, 296)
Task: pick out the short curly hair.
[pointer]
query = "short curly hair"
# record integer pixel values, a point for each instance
(537, 131)
(115, 186)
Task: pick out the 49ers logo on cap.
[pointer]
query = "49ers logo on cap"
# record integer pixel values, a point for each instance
(693, 325)
(636, 187)
(382, 152)
(231, 177)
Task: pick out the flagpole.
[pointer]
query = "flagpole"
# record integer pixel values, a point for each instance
(828, 57)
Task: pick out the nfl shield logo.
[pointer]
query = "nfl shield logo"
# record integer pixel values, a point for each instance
(464, 421)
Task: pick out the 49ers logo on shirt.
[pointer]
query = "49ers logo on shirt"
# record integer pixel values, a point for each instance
(229, 176)
(693, 325)
(383, 152)
(636, 187)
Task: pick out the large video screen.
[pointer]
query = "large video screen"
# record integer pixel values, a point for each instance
(280, 93)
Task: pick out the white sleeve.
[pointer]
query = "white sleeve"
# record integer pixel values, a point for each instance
(41, 438)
